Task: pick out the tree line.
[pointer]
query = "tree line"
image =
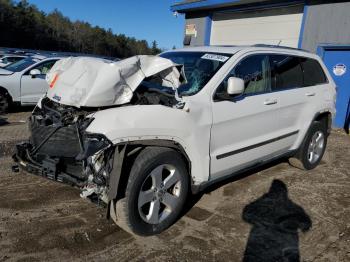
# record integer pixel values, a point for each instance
(23, 25)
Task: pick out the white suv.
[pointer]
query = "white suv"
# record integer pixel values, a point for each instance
(142, 133)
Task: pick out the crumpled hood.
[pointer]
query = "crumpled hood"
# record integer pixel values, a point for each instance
(95, 82)
(5, 72)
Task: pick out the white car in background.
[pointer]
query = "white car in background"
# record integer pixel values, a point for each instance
(6, 60)
(23, 82)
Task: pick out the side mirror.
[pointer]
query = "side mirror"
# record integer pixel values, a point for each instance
(235, 86)
(34, 72)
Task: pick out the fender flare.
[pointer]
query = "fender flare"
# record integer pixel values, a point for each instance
(121, 152)
(329, 119)
(117, 169)
(316, 117)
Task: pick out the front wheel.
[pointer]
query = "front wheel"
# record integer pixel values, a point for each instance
(314, 146)
(156, 191)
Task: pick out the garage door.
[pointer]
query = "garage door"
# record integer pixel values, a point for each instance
(273, 26)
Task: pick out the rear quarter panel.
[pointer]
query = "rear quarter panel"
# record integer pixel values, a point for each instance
(324, 102)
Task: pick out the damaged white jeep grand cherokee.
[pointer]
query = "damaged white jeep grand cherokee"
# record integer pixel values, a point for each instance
(141, 133)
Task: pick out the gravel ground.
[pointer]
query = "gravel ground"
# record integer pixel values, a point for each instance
(272, 210)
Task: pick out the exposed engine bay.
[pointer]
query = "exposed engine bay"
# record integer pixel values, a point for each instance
(61, 150)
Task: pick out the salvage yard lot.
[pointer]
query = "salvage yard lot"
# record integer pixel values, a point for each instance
(41, 219)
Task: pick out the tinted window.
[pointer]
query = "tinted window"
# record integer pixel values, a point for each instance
(313, 72)
(286, 72)
(255, 71)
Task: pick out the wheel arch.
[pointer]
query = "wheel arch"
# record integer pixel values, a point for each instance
(125, 155)
(3, 90)
(9, 100)
(324, 117)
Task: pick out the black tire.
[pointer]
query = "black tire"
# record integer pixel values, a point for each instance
(4, 102)
(148, 160)
(303, 153)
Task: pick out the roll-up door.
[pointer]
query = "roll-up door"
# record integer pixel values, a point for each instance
(271, 26)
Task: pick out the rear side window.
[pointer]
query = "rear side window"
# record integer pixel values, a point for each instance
(286, 72)
(313, 72)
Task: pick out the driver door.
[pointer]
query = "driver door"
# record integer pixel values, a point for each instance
(34, 87)
(245, 126)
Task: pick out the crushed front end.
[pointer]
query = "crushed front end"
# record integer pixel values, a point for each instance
(60, 149)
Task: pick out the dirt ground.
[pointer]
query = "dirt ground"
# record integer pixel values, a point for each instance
(271, 210)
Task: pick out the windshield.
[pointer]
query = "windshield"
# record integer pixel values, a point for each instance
(21, 64)
(199, 68)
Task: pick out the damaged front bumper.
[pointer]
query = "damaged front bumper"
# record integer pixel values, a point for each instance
(59, 149)
(46, 168)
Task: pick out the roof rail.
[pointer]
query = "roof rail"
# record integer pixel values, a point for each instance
(265, 45)
(280, 46)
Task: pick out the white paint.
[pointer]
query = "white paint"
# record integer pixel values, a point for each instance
(22, 87)
(95, 82)
(263, 27)
(206, 129)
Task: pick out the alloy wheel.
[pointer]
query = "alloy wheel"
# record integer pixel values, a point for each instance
(159, 194)
(316, 147)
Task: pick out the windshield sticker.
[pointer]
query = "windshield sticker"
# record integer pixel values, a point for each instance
(215, 57)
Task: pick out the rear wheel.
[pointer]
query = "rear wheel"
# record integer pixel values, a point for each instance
(314, 146)
(4, 102)
(156, 191)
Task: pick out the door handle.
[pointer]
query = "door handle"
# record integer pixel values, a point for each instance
(310, 94)
(270, 102)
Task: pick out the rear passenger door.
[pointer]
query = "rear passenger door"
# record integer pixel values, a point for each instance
(296, 96)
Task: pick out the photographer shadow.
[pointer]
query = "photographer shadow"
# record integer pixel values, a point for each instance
(275, 221)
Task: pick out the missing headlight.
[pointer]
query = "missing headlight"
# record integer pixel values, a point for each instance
(92, 144)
